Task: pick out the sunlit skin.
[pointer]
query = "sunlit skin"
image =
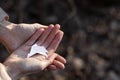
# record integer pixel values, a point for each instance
(22, 65)
(17, 34)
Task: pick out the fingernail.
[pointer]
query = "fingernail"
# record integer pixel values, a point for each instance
(57, 25)
(51, 25)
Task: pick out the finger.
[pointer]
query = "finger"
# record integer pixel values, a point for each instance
(39, 57)
(58, 64)
(52, 67)
(37, 25)
(51, 35)
(43, 57)
(34, 37)
(49, 61)
(45, 35)
(53, 46)
(45, 62)
(61, 59)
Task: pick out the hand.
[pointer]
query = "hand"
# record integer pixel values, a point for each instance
(22, 65)
(16, 34)
(3, 73)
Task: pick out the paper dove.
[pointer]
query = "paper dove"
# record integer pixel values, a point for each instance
(37, 49)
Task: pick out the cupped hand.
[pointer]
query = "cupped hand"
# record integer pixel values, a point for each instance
(49, 38)
(14, 35)
(17, 34)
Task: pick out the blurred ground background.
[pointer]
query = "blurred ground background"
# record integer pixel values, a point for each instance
(91, 43)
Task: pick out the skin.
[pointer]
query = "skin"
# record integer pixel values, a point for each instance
(3, 73)
(22, 65)
(17, 34)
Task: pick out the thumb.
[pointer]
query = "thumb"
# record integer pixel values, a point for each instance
(51, 58)
(49, 61)
(37, 25)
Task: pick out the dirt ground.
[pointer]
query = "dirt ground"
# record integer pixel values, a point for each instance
(91, 42)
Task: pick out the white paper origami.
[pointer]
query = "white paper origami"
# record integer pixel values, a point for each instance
(37, 49)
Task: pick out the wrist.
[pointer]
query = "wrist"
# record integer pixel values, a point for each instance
(12, 70)
(3, 73)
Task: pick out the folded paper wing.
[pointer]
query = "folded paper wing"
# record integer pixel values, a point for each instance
(35, 49)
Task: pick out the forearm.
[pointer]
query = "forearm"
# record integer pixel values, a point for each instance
(8, 72)
(3, 73)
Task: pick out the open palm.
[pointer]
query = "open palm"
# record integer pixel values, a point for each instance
(50, 39)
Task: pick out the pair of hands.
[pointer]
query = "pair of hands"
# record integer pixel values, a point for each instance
(49, 38)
